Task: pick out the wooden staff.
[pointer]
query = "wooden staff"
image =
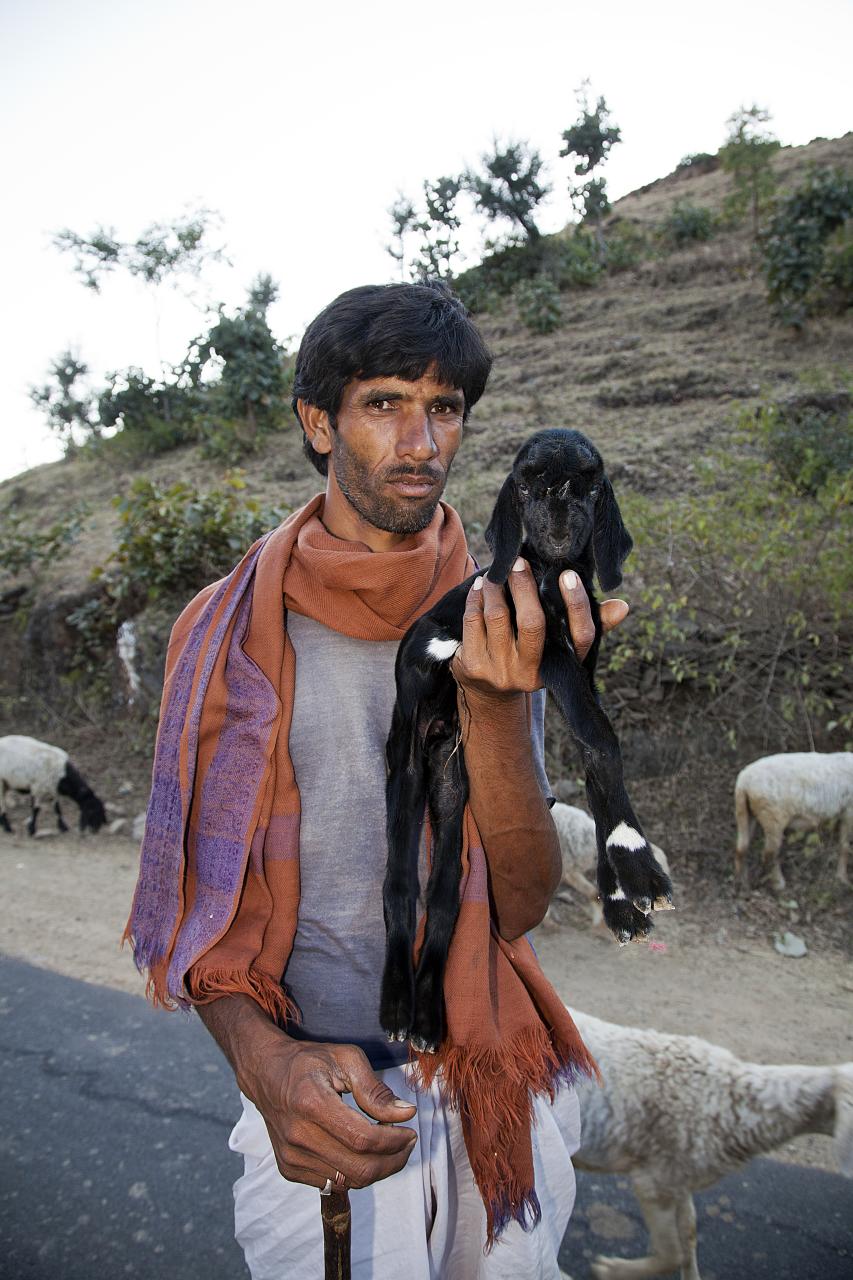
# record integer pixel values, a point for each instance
(337, 1224)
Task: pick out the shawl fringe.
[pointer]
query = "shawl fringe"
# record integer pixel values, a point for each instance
(206, 985)
(492, 1087)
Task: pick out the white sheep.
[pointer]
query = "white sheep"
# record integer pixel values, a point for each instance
(676, 1113)
(576, 830)
(808, 786)
(44, 773)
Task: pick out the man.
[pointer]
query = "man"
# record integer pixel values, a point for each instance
(270, 775)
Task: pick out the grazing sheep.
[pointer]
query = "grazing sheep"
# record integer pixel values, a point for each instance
(809, 786)
(676, 1113)
(576, 830)
(44, 772)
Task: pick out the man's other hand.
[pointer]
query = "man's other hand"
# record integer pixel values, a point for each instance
(313, 1133)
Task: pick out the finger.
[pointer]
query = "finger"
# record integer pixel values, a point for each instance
(323, 1158)
(473, 625)
(612, 613)
(529, 615)
(581, 625)
(356, 1077)
(496, 617)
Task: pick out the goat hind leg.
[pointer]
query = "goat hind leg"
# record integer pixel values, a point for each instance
(448, 793)
(642, 881)
(4, 821)
(405, 802)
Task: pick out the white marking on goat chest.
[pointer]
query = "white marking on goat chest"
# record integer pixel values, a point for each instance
(441, 650)
(625, 837)
(619, 896)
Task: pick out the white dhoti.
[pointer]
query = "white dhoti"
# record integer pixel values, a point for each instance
(426, 1222)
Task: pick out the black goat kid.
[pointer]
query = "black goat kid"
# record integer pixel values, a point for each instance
(558, 511)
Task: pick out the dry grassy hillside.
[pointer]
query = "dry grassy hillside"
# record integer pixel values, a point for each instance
(651, 363)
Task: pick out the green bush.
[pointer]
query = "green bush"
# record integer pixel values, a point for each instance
(743, 592)
(539, 305)
(807, 442)
(26, 551)
(687, 223)
(574, 262)
(794, 247)
(178, 539)
(627, 244)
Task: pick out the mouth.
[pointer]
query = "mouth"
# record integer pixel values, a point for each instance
(414, 485)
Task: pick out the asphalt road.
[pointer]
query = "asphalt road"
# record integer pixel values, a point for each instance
(114, 1161)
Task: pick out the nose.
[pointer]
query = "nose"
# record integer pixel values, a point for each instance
(416, 439)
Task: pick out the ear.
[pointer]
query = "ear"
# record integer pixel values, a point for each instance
(316, 425)
(611, 541)
(505, 531)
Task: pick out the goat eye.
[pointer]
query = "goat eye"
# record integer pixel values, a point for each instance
(523, 490)
(593, 493)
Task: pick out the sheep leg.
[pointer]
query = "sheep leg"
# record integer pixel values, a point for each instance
(773, 834)
(4, 821)
(34, 813)
(405, 798)
(661, 1216)
(61, 824)
(685, 1212)
(448, 794)
(843, 846)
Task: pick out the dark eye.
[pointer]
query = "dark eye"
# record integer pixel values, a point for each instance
(593, 493)
(523, 490)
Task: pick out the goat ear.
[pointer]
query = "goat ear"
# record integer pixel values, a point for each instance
(505, 531)
(611, 541)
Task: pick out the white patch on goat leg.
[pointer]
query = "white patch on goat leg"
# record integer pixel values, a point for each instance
(626, 838)
(441, 650)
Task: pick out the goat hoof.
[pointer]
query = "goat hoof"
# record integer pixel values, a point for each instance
(664, 903)
(424, 1046)
(643, 904)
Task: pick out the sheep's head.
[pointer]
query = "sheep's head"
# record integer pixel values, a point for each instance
(558, 497)
(93, 815)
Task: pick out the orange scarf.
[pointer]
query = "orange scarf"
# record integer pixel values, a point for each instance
(215, 909)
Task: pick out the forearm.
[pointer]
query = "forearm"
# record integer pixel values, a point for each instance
(245, 1034)
(519, 837)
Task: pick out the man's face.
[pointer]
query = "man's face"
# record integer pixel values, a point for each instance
(393, 446)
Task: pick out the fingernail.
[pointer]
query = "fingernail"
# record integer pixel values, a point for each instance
(398, 1102)
(518, 566)
(478, 584)
(570, 580)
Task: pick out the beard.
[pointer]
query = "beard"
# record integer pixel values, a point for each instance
(364, 492)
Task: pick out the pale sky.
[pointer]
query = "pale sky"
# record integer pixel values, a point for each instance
(300, 124)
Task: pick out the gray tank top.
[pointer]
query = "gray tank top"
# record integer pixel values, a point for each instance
(344, 696)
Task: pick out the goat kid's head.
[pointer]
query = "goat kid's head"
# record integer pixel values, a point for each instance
(558, 498)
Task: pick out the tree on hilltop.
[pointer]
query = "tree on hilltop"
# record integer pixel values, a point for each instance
(510, 185)
(589, 140)
(747, 155)
(404, 218)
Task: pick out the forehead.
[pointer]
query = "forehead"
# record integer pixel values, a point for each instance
(559, 455)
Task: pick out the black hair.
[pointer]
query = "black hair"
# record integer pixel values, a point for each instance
(390, 330)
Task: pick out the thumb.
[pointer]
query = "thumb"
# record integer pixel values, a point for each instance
(375, 1098)
(612, 613)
